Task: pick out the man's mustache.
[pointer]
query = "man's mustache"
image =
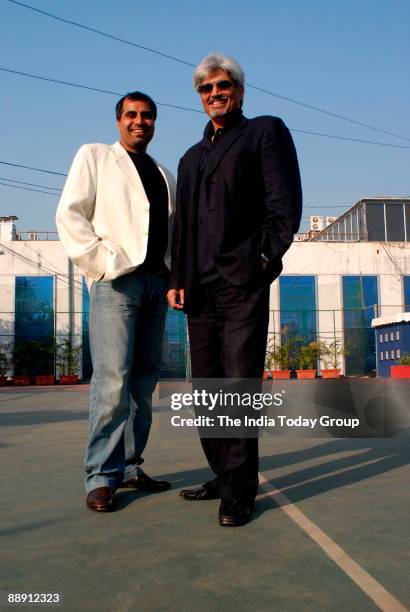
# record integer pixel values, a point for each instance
(218, 97)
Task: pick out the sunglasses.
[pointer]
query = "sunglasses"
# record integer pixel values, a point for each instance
(208, 87)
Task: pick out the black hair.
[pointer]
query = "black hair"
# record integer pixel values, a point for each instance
(135, 95)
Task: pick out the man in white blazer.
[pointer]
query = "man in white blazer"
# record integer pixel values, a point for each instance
(114, 220)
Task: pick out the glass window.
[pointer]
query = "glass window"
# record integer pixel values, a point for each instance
(406, 290)
(407, 213)
(381, 355)
(360, 295)
(34, 325)
(85, 340)
(355, 223)
(386, 354)
(397, 335)
(386, 337)
(394, 221)
(381, 338)
(351, 227)
(375, 221)
(175, 346)
(391, 354)
(397, 353)
(298, 308)
(391, 336)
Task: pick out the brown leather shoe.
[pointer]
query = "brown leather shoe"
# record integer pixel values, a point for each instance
(101, 499)
(145, 483)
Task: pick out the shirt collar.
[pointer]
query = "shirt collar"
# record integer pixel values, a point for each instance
(232, 119)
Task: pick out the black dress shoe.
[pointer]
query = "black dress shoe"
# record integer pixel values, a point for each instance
(101, 499)
(200, 493)
(145, 483)
(233, 513)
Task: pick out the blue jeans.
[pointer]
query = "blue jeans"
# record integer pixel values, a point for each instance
(127, 319)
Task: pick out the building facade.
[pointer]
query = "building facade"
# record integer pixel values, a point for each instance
(330, 290)
(392, 341)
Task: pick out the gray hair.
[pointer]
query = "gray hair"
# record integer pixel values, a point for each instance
(217, 61)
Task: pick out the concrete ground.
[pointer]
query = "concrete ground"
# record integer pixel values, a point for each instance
(330, 531)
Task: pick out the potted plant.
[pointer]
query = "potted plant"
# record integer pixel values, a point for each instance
(67, 361)
(45, 362)
(402, 370)
(330, 354)
(22, 359)
(306, 360)
(281, 357)
(34, 358)
(4, 364)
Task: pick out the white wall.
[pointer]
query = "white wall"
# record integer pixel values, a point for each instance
(38, 258)
(328, 261)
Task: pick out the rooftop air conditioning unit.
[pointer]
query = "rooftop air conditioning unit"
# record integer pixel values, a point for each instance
(32, 236)
(330, 220)
(317, 223)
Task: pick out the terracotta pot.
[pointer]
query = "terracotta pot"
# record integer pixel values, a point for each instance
(303, 374)
(280, 374)
(400, 371)
(68, 379)
(331, 373)
(45, 379)
(23, 380)
(266, 375)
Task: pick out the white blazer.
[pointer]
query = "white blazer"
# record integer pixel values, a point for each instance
(103, 214)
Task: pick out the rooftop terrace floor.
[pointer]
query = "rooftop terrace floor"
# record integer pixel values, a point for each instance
(335, 537)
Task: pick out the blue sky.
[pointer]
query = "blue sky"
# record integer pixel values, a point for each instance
(349, 57)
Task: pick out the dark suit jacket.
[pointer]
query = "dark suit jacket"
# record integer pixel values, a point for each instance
(254, 181)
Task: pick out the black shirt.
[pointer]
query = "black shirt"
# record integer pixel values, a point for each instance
(207, 228)
(157, 194)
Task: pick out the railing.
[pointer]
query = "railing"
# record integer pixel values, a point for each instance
(352, 327)
(328, 237)
(37, 235)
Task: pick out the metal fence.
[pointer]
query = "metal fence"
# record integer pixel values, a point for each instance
(29, 343)
(31, 330)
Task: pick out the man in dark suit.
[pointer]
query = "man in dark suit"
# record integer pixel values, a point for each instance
(238, 207)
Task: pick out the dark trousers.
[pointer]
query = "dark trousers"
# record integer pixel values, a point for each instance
(228, 340)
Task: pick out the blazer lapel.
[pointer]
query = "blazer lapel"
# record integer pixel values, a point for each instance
(126, 164)
(193, 172)
(227, 141)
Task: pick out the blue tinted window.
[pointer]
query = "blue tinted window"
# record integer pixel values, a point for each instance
(85, 340)
(298, 307)
(395, 221)
(174, 349)
(34, 325)
(359, 297)
(406, 293)
(375, 221)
